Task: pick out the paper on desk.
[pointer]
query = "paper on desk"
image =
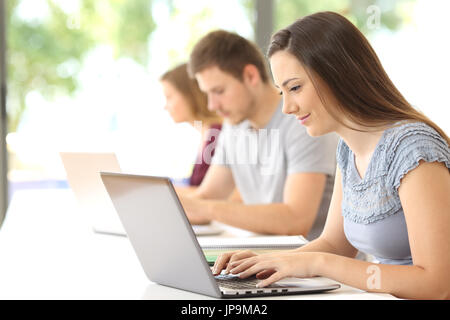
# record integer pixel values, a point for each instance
(263, 242)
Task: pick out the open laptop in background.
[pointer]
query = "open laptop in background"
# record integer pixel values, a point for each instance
(83, 174)
(167, 248)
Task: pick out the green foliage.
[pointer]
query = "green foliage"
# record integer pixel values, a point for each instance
(46, 54)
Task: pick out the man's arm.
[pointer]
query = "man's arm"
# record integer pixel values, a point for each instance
(235, 196)
(217, 184)
(295, 215)
(185, 190)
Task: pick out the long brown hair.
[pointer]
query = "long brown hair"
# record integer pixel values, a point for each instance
(336, 54)
(189, 88)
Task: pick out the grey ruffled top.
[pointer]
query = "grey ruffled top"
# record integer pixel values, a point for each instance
(374, 222)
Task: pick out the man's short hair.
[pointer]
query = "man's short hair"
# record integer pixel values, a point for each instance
(229, 52)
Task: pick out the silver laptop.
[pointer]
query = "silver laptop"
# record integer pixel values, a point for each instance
(167, 248)
(83, 174)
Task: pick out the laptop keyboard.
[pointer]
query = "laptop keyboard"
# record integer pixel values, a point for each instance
(234, 282)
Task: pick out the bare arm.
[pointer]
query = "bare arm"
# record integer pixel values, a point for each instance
(295, 215)
(185, 190)
(332, 239)
(424, 195)
(218, 184)
(235, 196)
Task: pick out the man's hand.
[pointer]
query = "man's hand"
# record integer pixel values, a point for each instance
(195, 210)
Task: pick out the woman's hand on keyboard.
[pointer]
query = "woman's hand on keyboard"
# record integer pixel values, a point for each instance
(225, 260)
(275, 266)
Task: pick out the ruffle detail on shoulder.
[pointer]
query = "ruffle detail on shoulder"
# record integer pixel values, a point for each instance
(415, 142)
(376, 196)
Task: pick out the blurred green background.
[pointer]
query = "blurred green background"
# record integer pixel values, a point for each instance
(83, 74)
(46, 52)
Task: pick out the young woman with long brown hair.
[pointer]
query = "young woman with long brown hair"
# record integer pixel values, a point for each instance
(391, 197)
(185, 102)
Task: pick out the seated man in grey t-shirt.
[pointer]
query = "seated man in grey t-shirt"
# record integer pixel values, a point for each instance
(284, 177)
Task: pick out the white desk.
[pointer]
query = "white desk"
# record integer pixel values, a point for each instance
(48, 251)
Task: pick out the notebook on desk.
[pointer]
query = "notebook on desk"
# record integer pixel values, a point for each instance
(167, 247)
(214, 246)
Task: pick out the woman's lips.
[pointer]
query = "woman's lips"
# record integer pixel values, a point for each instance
(304, 118)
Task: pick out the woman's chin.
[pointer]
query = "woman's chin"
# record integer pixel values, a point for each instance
(315, 132)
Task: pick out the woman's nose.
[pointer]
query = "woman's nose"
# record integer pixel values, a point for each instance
(289, 107)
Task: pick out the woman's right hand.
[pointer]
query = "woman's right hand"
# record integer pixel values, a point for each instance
(225, 260)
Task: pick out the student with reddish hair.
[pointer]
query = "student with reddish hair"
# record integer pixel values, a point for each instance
(185, 102)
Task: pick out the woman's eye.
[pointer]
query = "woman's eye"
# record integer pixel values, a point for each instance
(295, 88)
